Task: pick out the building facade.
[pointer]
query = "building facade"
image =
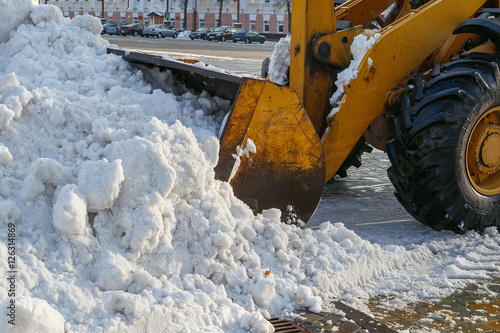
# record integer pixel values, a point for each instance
(261, 15)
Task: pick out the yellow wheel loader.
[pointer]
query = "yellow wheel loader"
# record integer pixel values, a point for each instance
(427, 92)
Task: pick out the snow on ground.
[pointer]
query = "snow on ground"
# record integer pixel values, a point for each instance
(109, 205)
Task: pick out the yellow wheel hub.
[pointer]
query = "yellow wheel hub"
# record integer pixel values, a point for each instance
(483, 154)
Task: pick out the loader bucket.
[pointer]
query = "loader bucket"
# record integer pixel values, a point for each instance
(287, 168)
(270, 152)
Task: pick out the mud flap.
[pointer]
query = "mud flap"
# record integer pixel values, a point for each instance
(287, 168)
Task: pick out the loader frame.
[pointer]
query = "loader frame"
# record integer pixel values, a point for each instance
(318, 50)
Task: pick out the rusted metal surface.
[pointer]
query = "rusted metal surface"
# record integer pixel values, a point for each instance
(200, 79)
(286, 326)
(237, 126)
(288, 167)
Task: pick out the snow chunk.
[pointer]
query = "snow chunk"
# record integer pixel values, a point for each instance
(264, 291)
(307, 299)
(50, 171)
(5, 155)
(147, 174)
(250, 148)
(33, 315)
(70, 211)
(115, 273)
(360, 45)
(91, 23)
(100, 182)
(12, 13)
(46, 14)
(280, 61)
(13, 98)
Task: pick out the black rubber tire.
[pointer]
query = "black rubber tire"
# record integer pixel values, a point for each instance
(354, 157)
(428, 153)
(247, 41)
(136, 34)
(175, 35)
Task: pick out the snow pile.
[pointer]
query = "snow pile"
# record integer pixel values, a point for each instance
(184, 34)
(118, 217)
(280, 61)
(360, 45)
(12, 13)
(119, 223)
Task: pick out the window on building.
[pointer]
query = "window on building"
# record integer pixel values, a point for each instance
(268, 1)
(266, 26)
(252, 24)
(136, 20)
(280, 26)
(254, 1)
(202, 1)
(202, 22)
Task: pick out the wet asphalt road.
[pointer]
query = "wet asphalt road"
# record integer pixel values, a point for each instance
(239, 58)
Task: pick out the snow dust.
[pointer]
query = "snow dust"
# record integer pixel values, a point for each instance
(120, 225)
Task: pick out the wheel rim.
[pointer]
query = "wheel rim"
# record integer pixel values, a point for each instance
(483, 153)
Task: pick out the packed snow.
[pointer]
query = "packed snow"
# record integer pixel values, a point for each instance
(360, 45)
(280, 61)
(109, 205)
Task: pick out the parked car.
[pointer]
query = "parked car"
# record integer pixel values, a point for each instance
(134, 29)
(156, 30)
(170, 32)
(104, 25)
(201, 33)
(248, 36)
(221, 33)
(113, 28)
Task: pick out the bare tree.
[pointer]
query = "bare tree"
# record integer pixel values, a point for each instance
(184, 5)
(280, 4)
(221, 5)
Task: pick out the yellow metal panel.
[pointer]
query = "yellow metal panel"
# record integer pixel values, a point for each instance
(361, 12)
(237, 125)
(288, 167)
(399, 50)
(311, 79)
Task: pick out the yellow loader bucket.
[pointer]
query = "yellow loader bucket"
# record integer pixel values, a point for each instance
(287, 168)
(270, 152)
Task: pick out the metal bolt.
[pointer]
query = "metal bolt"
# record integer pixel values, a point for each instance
(324, 49)
(297, 48)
